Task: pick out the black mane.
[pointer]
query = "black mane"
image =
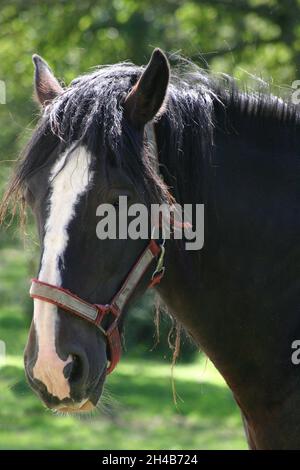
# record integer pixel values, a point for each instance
(90, 111)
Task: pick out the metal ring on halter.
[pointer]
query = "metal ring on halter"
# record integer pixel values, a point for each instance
(160, 268)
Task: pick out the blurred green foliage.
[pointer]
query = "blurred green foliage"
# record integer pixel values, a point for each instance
(259, 36)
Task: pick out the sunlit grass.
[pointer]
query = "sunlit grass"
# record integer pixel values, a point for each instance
(140, 414)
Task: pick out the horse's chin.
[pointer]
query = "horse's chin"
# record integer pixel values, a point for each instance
(84, 407)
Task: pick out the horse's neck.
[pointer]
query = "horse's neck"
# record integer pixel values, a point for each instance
(229, 296)
(180, 283)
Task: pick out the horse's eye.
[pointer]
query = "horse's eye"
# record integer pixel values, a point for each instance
(118, 198)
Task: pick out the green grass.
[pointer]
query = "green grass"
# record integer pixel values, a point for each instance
(138, 411)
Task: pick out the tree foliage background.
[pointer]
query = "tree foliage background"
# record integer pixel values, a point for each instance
(261, 37)
(238, 37)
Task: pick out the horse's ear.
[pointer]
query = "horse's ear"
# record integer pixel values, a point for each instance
(147, 96)
(46, 85)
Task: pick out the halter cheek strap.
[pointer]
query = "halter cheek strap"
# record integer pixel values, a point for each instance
(95, 313)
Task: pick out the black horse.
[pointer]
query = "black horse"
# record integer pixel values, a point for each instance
(239, 155)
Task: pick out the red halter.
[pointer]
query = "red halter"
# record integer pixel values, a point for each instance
(95, 313)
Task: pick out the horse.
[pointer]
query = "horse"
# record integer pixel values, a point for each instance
(235, 151)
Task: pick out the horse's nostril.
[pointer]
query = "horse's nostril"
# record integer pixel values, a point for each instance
(68, 369)
(74, 370)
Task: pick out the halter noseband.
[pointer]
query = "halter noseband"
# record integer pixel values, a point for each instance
(95, 313)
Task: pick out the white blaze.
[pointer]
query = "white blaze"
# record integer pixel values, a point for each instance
(69, 180)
